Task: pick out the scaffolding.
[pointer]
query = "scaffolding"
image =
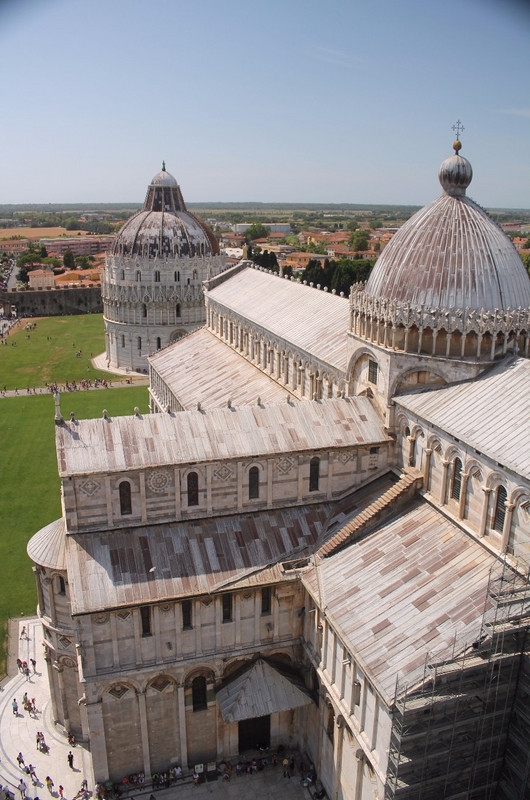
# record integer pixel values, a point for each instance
(451, 722)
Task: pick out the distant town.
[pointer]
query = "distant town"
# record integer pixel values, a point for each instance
(49, 247)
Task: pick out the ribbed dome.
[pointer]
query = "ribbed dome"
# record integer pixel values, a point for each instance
(451, 255)
(164, 228)
(47, 546)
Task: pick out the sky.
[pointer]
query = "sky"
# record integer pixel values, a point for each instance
(335, 101)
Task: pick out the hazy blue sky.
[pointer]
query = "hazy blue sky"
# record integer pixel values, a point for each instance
(291, 100)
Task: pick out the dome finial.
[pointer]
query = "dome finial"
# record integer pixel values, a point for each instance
(163, 166)
(458, 127)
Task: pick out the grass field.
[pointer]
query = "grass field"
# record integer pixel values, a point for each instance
(29, 484)
(36, 233)
(47, 353)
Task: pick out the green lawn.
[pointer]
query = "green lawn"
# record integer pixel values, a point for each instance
(29, 484)
(47, 353)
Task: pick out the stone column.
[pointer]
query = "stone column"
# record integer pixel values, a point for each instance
(98, 744)
(463, 494)
(62, 705)
(427, 467)
(144, 732)
(485, 509)
(181, 702)
(443, 489)
(337, 757)
(507, 527)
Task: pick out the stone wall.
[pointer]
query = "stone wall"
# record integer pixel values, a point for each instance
(53, 302)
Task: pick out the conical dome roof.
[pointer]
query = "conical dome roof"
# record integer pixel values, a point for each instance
(164, 228)
(451, 254)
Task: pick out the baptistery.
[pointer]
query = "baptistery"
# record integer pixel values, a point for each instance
(152, 283)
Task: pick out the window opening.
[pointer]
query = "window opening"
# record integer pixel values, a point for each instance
(125, 498)
(266, 600)
(314, 474)
(373, 369)
(227, 608)
(186, 614)
(145, 613)
(198, 693)
(253, 483)
(193, 489)
(456, 483)
(500, 509)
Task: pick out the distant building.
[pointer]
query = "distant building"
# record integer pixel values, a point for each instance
(41, 279)
(79, 245)
(14, 246)
(152, 282)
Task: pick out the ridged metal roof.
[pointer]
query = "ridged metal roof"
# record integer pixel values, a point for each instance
(404, 591)
(451, 254)
(124, 443)
(490, 413)
(202, 368)
(314, 321)
(46, 547)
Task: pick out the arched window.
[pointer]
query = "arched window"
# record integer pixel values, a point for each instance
(158, 343)
(123, 341)
(61, 587)
(125, 498)
(198, 693)
(193, 489)
(157, 276)
(314, 474)
(139, 343)
(144, 310)
(177, 309)
(456, 480)
(500, 509)
(253, 483)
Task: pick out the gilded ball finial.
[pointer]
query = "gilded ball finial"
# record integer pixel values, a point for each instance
(457, 145)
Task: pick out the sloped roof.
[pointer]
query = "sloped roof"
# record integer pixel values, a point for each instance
(312, 320)
(126, 443)
(46, 547)
(259, 691)
(403, 592)
(114, 569)
(202, 368)
(490, 413)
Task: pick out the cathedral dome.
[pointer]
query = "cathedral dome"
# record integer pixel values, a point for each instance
(164, 228)
(451, 255)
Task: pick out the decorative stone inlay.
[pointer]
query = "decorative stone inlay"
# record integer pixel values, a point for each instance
(160, 683)
(223, 473)
(101, 618)
(90, 487)
(345, 456)
(207, 601)
(123, 614)
(158, 480)
(118, 691)
(285, 465)
(69, 663)
(165, 607)
(64, 642)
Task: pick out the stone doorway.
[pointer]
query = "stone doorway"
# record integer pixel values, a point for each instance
(254, 733)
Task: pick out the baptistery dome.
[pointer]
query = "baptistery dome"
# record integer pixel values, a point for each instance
(164, 228)
(451, 254)
(152, 285)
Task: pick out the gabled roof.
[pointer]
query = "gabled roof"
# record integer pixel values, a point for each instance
(312, 320)
(403, 592)
(128, 443)
(490, 413)
(202, 368)
(259, 691)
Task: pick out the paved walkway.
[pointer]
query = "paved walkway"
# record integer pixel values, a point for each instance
(18, 734)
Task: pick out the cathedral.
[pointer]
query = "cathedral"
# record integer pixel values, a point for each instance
(151, 286)
(319, 537)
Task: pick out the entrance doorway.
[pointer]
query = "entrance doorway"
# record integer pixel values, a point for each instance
(254, 732)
